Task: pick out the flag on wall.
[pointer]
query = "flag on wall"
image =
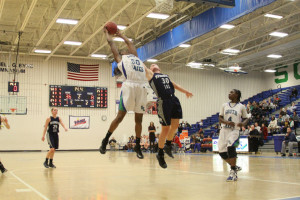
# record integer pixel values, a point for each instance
(80, 72)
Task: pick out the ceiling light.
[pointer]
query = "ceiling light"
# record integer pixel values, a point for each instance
(274, 56)
(42, 51)
(185, 45)
(66, 21)
(231, 51)
(227, 26)
(279, 34)
(270, 70)
(121, 27)
(231, 54)
(99, 56)
(120, 39)
(195, 65)
(158, 16)
(151, 60)
(73, 43)
(273, 16)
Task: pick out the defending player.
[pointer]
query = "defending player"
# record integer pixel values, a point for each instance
(133, 92)
(169, 109)
(52, 124)
(232, 117)
(4, 121)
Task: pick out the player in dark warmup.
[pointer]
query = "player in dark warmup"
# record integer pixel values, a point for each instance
(233, 116)
(52, 124)
(133, 92)
(4, 121)
(168, 107)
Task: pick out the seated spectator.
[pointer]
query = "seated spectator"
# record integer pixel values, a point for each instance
(276, 100)
(244, 131)
(192, 142)
(187, 125)
(280, 121)
(112, 143)
(271, 104)
(263, 121)
(291, 123)
(294, 94)
(180, 128)
(290, 141)
(264, 130)
(292, 108)
(200, 131)
(282, 111)
(285, 117)
(254, 136)
(257, 127)
(286, 125)
(273, 125)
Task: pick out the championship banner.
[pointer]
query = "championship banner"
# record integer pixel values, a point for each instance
(79, 122)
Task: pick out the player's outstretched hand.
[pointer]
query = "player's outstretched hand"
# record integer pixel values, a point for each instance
(189, 94)
(66, 129)
(43, 139)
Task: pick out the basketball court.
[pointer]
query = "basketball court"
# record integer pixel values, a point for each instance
(120, 175)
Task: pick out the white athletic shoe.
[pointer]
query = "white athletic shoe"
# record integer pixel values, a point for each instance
(232, 176)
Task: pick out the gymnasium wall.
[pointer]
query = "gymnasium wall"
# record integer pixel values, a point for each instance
(210, 88)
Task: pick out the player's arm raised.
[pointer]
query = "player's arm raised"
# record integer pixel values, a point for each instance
(181, 89)
(63, 125)
(130, 44)
(45, 128)
(112, 46)
(149, 73)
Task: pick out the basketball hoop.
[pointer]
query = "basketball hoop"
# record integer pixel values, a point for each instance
(13, 110)
(164, 5)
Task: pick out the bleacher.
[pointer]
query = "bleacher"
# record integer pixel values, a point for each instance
(283, 93)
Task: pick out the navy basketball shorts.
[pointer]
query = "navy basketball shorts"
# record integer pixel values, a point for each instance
(53, 140)
(169, 109)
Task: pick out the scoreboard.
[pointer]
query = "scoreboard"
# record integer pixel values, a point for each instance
(75, 96)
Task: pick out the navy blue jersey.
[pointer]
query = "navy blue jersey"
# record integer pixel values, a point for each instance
(53, 126)
(162, 86)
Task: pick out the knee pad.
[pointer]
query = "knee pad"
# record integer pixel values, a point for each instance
(231, 152)
(224, 155)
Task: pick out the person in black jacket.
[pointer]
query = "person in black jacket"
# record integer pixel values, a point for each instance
(254, 137)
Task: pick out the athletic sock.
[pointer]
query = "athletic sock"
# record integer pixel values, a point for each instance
(47, 159)
(108, 134)
(138, 141)
(169, 142)
(51, 160)
(160, 151)
(233, 168)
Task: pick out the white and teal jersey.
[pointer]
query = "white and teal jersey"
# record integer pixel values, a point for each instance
(132, 68)
(233, 112)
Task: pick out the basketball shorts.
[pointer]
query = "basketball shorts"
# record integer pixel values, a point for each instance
(227, 138)
(53, 140)
(168, 109)
(133, 97)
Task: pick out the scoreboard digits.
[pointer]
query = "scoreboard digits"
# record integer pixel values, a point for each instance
(73, 96)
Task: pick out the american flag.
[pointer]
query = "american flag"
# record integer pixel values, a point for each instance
(80, 72)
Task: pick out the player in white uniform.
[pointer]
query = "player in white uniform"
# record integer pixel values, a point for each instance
(6, 124)
(133, 92)
(233, 116)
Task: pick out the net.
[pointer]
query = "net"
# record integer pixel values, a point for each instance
(164, 5)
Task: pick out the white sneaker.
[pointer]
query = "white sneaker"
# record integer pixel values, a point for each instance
(232, 176)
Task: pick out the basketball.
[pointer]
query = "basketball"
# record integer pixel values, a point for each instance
(111, 27)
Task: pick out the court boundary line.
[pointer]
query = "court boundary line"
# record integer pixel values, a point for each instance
(29, 186)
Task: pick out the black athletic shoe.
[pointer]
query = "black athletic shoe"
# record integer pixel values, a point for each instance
(168, 151)
(3, 170)
(283, 155)
(46, 164)
(51, 165)
(138, 151)
(102, 148)
(161, 161)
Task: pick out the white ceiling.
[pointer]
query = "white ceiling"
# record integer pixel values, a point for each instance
(36, 20)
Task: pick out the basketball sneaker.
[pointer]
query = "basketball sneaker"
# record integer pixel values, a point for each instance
(51, 165)
(138, 151)
(238, 168)
(232, 176)
(46, 164)
(3, 170)
(161, 161)
(168, 150)
(102, 148)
